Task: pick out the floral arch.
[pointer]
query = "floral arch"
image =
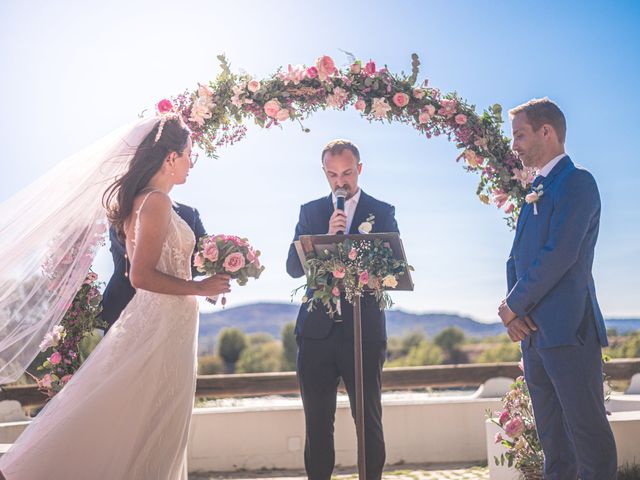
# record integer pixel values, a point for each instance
(216, 113)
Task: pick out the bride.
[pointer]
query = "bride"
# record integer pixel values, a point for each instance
(125, 414)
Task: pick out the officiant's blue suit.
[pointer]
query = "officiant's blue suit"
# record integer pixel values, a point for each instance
(549, 279)
(119, 292)
(325, 349)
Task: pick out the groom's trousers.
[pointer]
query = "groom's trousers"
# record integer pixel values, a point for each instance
(321, 363)
(568, 401)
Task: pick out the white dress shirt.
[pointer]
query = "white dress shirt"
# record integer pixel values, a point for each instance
(349, 208)
(544, 171)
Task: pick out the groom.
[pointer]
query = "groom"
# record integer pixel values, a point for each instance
(119, 292)
(551, 304)
(325, 351)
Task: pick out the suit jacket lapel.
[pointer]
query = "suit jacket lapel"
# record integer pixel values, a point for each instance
(360, 215)
(525, 213)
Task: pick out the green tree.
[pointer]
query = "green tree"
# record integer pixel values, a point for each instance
(231, 343)
(210, 365)
(630, 348)
(450, 340)
(425, 353)
(289, 347)
(259, 338)
(264, 357)
(505, 351)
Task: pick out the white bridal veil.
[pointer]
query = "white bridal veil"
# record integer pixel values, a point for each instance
(49, 234)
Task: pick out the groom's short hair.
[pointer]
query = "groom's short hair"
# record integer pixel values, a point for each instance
(541, 111)
(336, 147)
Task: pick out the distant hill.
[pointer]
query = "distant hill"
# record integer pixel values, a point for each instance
(271, 317)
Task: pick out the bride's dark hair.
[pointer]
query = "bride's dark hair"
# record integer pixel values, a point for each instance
(118, 198)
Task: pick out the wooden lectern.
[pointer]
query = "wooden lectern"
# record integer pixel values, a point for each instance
(308, 244)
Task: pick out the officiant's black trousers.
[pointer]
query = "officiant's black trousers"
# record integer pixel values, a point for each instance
(321, 364)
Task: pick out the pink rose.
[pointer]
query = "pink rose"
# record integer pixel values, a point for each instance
(55, 358)
(66, 378)
(45, 382)
(401, 99)
(461, 119)
(234, 262)
(339, 272)
(251, 255)
(335, 292)
(312, 72)
(271, 108)
(165, 106)
(500, 198)
(360, 105)
(325, 66)
(370, 67)
(514, 427)
(364, 278)
(504, 417)
(353, 254)
(210, 252)
(253, 86)
(282, 115)
(198, 260)
(471, 158)
(355, 68)
(424, 117)
(509, 208)
(497, 438)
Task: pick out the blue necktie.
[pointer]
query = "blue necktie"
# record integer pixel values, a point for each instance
(537, 181)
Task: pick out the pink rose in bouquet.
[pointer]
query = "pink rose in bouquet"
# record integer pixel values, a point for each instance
(234, 262)
(514, 427)
(228, 254)
(401, 99)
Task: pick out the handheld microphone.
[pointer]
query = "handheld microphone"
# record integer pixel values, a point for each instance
(340, 193)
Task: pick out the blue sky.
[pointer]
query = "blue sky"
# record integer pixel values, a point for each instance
(73, 71)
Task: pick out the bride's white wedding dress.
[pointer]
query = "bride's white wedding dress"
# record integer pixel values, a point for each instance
(125, 414)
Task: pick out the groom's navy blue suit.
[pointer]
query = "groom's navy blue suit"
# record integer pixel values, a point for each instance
(119, 292)
(325, 351)
(549, 279)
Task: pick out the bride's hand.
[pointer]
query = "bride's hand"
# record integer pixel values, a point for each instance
(215, 285)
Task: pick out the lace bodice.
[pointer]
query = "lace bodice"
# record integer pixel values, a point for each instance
(178, 245)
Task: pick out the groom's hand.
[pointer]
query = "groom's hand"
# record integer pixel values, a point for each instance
(506, 314)
(337, 222)
(518, 329)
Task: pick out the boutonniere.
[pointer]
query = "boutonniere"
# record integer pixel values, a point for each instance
(534, 196)
(366, 226)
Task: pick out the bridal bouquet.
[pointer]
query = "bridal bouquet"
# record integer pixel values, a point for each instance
(355, 266)
(228, 254)
(64, 345)
(523, 449)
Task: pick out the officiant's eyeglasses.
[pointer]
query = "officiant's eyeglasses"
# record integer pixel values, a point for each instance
(193, 158)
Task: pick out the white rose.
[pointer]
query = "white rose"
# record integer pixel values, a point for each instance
(380, 107)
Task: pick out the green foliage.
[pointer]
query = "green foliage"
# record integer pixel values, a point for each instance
(424, 353)
(398, 347)
(289, 347)
(630, 348)
(210, 365)
(231, 343)
(505, 351)
(449, 340)
(260, 338)
(263, 357)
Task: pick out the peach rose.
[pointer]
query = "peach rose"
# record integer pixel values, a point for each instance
(271, 108)
(419, 93)
(461, 119)
(335, 292)
(355, 68)
(339, 272)
(253, 86)
(282, 115)
(198, 261)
